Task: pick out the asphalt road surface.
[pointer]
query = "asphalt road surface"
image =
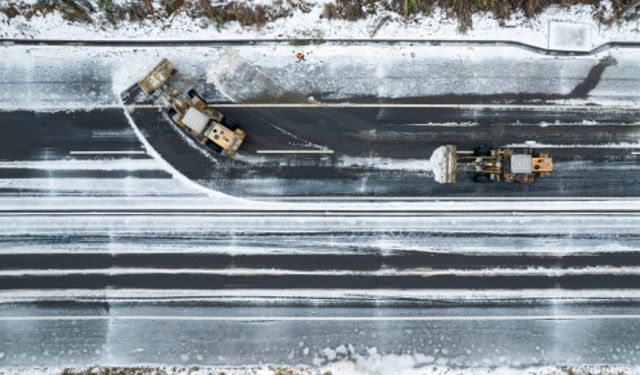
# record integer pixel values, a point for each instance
(207, 250)
(142, 284)
(225, 289)
(356, 151)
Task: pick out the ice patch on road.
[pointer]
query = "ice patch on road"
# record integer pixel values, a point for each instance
(314, 295)
(128, 186)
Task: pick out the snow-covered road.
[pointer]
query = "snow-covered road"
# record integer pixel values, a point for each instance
(104, 216)
(370, 339)
(405, 289)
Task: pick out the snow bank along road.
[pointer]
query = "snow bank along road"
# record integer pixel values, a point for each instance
(230, 289)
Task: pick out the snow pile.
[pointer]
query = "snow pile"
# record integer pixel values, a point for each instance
(239, 78)
(338, 368)
(309, 24)
(402, 365)
(84, 77)
(439, 165)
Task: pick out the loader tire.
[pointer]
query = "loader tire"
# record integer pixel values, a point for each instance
(171, 112)
(214, 147)
(193, 93)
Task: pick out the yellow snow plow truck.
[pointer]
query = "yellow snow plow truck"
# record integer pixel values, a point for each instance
(192, 113)
(491, 164)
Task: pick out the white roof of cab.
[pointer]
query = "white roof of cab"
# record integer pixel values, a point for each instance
(521, 164)
(195, 120)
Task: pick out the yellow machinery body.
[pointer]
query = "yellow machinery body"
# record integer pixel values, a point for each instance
(495, 164)
(192, 113)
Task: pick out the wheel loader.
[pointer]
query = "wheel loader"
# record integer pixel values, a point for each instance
(192, 113)
(521, 165)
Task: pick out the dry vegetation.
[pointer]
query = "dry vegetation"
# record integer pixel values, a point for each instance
(463, 10)
(91, 11)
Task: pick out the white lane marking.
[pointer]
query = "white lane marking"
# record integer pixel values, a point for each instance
(613, 146)
(388, 105)
(131, 152)
(417, 105)
(486, 272)
(437, 198)
(445, 124)
(325, 318)
(635, 152)
(294, 152)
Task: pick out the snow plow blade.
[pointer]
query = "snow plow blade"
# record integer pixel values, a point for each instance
(444, 163)
(157, 77)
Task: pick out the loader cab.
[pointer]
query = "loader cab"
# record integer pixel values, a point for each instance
(205, 125)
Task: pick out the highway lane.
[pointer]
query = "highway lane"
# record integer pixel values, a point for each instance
(199, 251)
(49, 136)
(173, 279)
(208, 289)
(198, 333)
(77, 153)
(384, 151)
(366, 260)
(363, 151)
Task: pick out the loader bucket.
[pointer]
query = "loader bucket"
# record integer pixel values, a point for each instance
(157, 77)
(444, 164)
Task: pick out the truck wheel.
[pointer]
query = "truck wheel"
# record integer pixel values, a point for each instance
(481, 178)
